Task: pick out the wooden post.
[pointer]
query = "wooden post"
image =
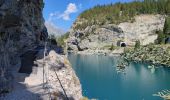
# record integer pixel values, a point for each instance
(44, 65)
(65, 49)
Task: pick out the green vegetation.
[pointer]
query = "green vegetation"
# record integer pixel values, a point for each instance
(52, 40)
(120, 12)
(162, 35)
(84, 98)
(167, 26)
(109, 47)
(60, 40)
(137, 44)
(155, 54)
(112, 47)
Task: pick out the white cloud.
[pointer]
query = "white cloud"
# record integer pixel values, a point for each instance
(71, 8)
(53, 16)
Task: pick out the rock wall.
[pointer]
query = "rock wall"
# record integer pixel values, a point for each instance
(21, 22)
(100, 37)
(21, 29)
(142, 29)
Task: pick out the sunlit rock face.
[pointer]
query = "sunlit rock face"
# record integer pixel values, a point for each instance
(142, 28)
(21, 21)
(59, 64)
(21, 29)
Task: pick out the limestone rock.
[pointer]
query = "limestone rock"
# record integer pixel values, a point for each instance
(143, 29)
(60, 65)
(20, 22)
(98, 37)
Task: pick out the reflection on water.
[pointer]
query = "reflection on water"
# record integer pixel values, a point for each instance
(100, 79)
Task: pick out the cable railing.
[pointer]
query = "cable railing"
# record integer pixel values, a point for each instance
(46, 75)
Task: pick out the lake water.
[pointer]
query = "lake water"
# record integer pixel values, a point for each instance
(100, 80)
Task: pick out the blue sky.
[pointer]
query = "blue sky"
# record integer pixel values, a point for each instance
(62, 13)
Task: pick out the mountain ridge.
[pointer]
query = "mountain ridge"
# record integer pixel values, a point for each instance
(103, 27)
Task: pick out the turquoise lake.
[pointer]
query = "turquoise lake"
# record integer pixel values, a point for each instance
(100, 80)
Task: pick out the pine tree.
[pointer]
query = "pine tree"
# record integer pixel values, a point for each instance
(137, 44)
(167, 26)
(120, 12)
(161, 37)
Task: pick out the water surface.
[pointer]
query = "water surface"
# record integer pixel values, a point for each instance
(99, 79)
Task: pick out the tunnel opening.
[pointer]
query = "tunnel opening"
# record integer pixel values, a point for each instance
(123, 44)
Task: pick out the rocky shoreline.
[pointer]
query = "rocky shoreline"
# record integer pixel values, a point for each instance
(116, 52)
(154, 54)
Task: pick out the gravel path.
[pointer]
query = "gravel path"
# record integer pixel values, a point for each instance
(30, 86)
(22, 89)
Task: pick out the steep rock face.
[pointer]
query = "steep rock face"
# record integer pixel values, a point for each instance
(21, 27)
(20, 23)
(94, 37)
(99, 37)
(142, 29)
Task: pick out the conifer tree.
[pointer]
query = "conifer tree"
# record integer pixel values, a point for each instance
(167, 26)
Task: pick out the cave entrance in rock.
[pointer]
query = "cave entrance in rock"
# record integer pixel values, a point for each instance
(123, 44)
(27, 62)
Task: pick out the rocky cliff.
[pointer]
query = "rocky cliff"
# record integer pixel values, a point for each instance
(22, 29)
(102, 36)
(20, 23)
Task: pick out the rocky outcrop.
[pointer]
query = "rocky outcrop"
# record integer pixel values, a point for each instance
(155, 54)
(21, 22)
(55, 64)
(143, 29)
(32, 87)
(66, 74)
(94, 37)
(22, 29)
(99, 37)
